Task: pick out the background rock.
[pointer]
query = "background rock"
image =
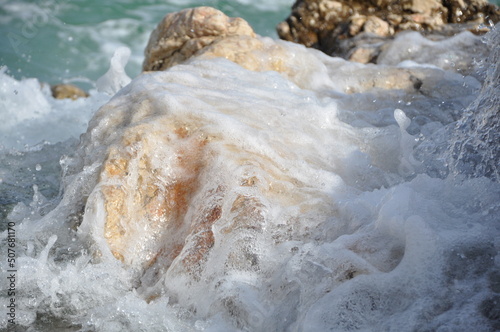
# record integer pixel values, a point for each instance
(182, 34)
(63, 91)
(331, 25)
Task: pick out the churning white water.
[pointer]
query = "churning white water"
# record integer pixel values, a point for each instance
(346, 197)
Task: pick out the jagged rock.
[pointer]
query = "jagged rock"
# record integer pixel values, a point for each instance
(183, 34)
(330, 25)
(63, 91)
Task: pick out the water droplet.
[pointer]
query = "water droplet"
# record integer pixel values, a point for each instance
(38, 167)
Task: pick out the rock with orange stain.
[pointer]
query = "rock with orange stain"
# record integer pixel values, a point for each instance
(164, 193)
(145, 199)
(157, 207)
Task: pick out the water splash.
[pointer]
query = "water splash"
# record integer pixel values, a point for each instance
(475, 149)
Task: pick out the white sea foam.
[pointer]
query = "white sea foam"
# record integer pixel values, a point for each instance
(349, 229)
(30, 115)
(457, 53)
(115, 78)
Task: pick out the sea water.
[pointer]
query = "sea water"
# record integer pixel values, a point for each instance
(375, 205)
(72, 41)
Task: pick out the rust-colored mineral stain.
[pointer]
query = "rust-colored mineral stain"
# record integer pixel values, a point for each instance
(207, 220)
(156, 208)
(247, 212)
(181, 132)
(117, 255)
(214, 215)
(175, 251)
(202, 243)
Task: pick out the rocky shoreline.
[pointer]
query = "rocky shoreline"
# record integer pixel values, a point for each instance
(361, 30)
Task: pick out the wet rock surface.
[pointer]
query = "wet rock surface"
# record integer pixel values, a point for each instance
(65, 91)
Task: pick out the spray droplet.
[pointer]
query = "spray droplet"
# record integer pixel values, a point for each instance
(38, 167)
(401, 118)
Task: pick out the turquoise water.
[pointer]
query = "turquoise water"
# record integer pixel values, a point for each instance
(72, 40)
(61, 41)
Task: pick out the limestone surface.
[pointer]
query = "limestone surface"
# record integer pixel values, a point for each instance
(183, 34)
